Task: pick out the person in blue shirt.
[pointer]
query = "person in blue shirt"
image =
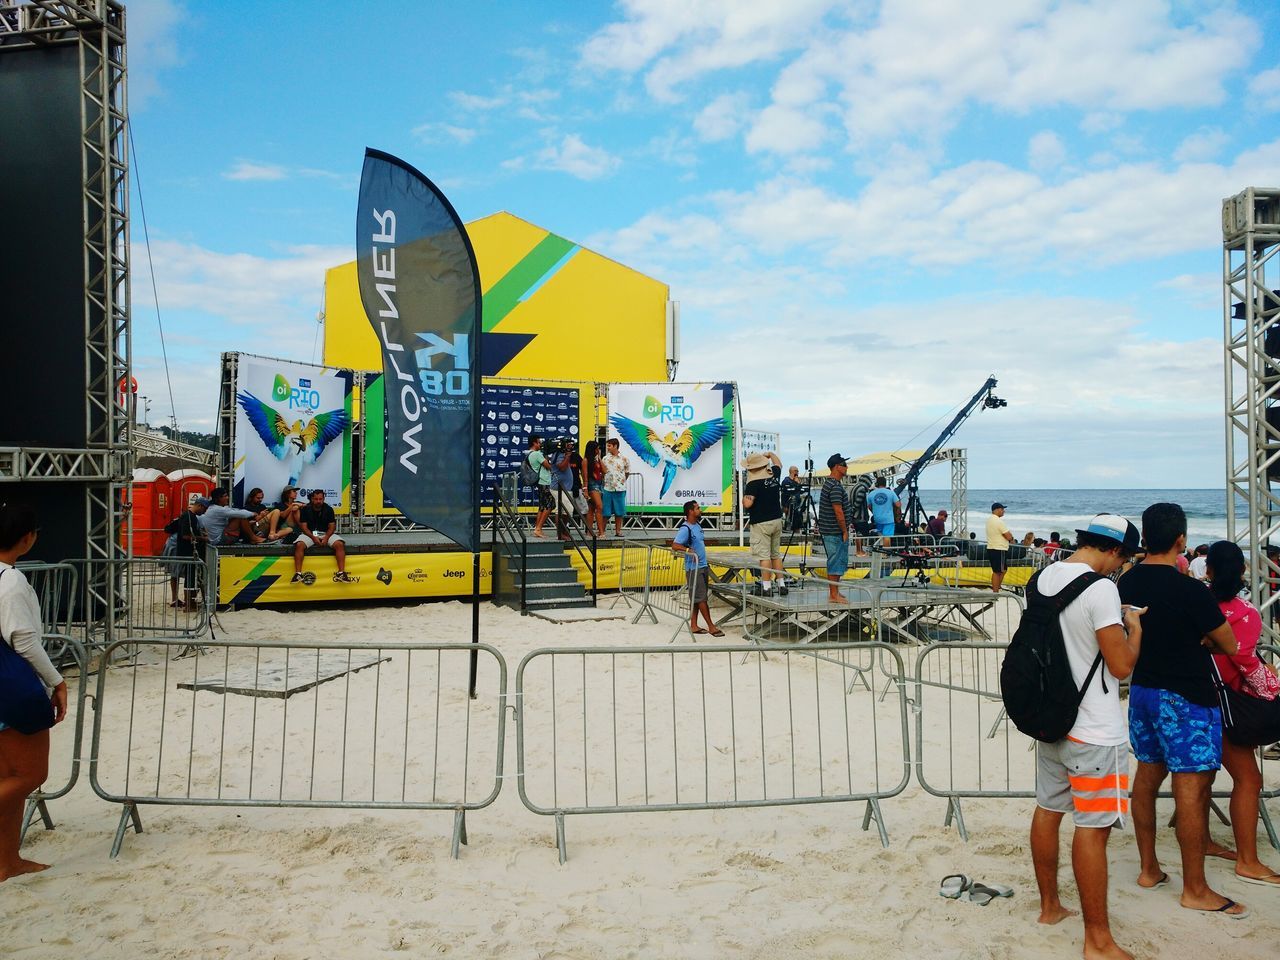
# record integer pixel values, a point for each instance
(690, 541)
(884, 508)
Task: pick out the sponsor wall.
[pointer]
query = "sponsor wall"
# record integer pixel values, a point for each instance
(293, 427)
(679, 438)
(760, 441)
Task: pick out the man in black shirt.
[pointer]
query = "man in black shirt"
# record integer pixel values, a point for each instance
(318, 523)
(762, 499)
(1174, 721)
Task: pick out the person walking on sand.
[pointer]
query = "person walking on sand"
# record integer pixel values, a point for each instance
(998, 539)
(1174, 722)
(24, 757)
(833, 525)
(1087, 772)
(689, 540)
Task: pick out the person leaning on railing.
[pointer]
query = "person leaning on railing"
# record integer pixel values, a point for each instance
(24, 757)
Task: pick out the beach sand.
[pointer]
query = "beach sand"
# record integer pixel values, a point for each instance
(798, 881)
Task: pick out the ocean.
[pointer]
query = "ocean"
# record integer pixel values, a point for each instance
(1044, 511)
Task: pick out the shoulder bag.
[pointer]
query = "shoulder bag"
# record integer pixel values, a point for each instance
(1247, 721)
(24, 705)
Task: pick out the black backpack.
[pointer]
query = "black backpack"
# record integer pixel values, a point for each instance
(1039, 692)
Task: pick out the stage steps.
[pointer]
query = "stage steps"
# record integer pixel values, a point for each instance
(550, 580)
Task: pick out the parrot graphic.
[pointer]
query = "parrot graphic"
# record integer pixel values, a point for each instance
(299, 446)
(672, 452)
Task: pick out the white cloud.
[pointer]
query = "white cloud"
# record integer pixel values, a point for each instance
(1015, 56)
(248, 170)
(1100, 122)
(442, 132)
(474, 101)
(153, 46)
(690, 39)
(1264, 87)
(1046, 151)
(577, 158)
(722, 117)
(1202, 145)
(786, 130)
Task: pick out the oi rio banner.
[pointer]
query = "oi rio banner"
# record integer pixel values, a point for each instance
(679, 438)
(421, 292)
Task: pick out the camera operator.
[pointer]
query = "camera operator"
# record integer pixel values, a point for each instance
(562, 478)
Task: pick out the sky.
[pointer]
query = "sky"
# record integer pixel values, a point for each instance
(864, 208)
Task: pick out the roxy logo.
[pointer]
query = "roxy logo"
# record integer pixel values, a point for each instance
(301, 397)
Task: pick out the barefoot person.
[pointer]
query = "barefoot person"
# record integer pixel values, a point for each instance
(833, 525)
(24, 757)
(1087, 772)
(1246, 673)
(1174, 722)
(690, 541)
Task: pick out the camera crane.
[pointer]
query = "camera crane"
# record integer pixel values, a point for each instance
(985, 399)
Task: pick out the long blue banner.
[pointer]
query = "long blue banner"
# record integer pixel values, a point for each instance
(421, 292)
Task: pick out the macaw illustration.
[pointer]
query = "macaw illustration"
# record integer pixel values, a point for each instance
(672, 452)
(299, 445)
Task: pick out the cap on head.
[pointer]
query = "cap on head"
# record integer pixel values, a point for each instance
(997, 506)
(1114, 527)
(836, 460)
(200, 501)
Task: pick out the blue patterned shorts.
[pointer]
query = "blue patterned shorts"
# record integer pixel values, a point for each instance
(1164, 727)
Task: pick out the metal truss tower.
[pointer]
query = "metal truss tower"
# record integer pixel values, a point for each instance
(1251, 309)
(97, 29)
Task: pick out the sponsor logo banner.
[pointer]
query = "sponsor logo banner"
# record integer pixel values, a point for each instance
(679, 438)
(421, 292)
(293, 428)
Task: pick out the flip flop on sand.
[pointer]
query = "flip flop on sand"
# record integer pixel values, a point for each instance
(954, 885)
(1272, 880)
(982, 894)
(1164, 879)
(697, 630)
(717, 633)
(1244, 911)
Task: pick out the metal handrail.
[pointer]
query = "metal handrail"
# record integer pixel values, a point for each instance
(506, 520)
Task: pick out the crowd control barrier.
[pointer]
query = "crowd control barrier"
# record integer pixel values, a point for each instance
(243, 724)
(57, 586)
(67, 738)
(619, 730)
(667, 588)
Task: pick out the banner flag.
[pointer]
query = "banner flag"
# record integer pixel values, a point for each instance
(420, 288)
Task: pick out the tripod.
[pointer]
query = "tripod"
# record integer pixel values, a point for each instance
(806, 517)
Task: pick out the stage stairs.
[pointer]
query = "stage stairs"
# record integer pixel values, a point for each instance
(549, 580)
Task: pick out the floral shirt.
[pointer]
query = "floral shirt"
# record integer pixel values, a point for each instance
(615, 472)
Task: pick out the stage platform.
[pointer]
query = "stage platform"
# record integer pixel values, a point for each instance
(424, 565)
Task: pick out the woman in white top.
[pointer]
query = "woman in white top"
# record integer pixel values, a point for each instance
(24, 758)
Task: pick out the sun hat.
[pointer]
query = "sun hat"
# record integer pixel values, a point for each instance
(1115, 528)
(757, 464)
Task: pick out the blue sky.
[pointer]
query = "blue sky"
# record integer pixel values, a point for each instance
(863, 207)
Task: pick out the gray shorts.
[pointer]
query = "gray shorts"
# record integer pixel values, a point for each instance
(696, 581)
(308, 543)
(766, 540)
(1087, 781)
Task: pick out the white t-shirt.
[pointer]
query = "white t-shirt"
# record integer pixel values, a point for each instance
(20, 624)
(1101, 719)
(996, 529)
(1200, 568)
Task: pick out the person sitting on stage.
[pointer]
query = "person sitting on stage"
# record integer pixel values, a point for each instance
(284, 516)
(938, 525)
(264, 517)
(317, 524)
(226, 524)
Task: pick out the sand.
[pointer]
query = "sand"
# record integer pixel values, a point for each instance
(795, 881)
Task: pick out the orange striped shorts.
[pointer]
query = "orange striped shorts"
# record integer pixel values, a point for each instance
(1087, 781)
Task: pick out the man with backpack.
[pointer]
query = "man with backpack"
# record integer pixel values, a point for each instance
(1082, 757)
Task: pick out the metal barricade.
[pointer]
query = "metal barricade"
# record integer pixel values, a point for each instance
(67, 738)
(57, 585)
(936, 614)
(632, 564)
(668, 588)
(343, 725)
(806, 613)
(959, 709)
(622, 730)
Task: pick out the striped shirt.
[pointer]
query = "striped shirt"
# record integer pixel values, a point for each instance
(832, 493)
